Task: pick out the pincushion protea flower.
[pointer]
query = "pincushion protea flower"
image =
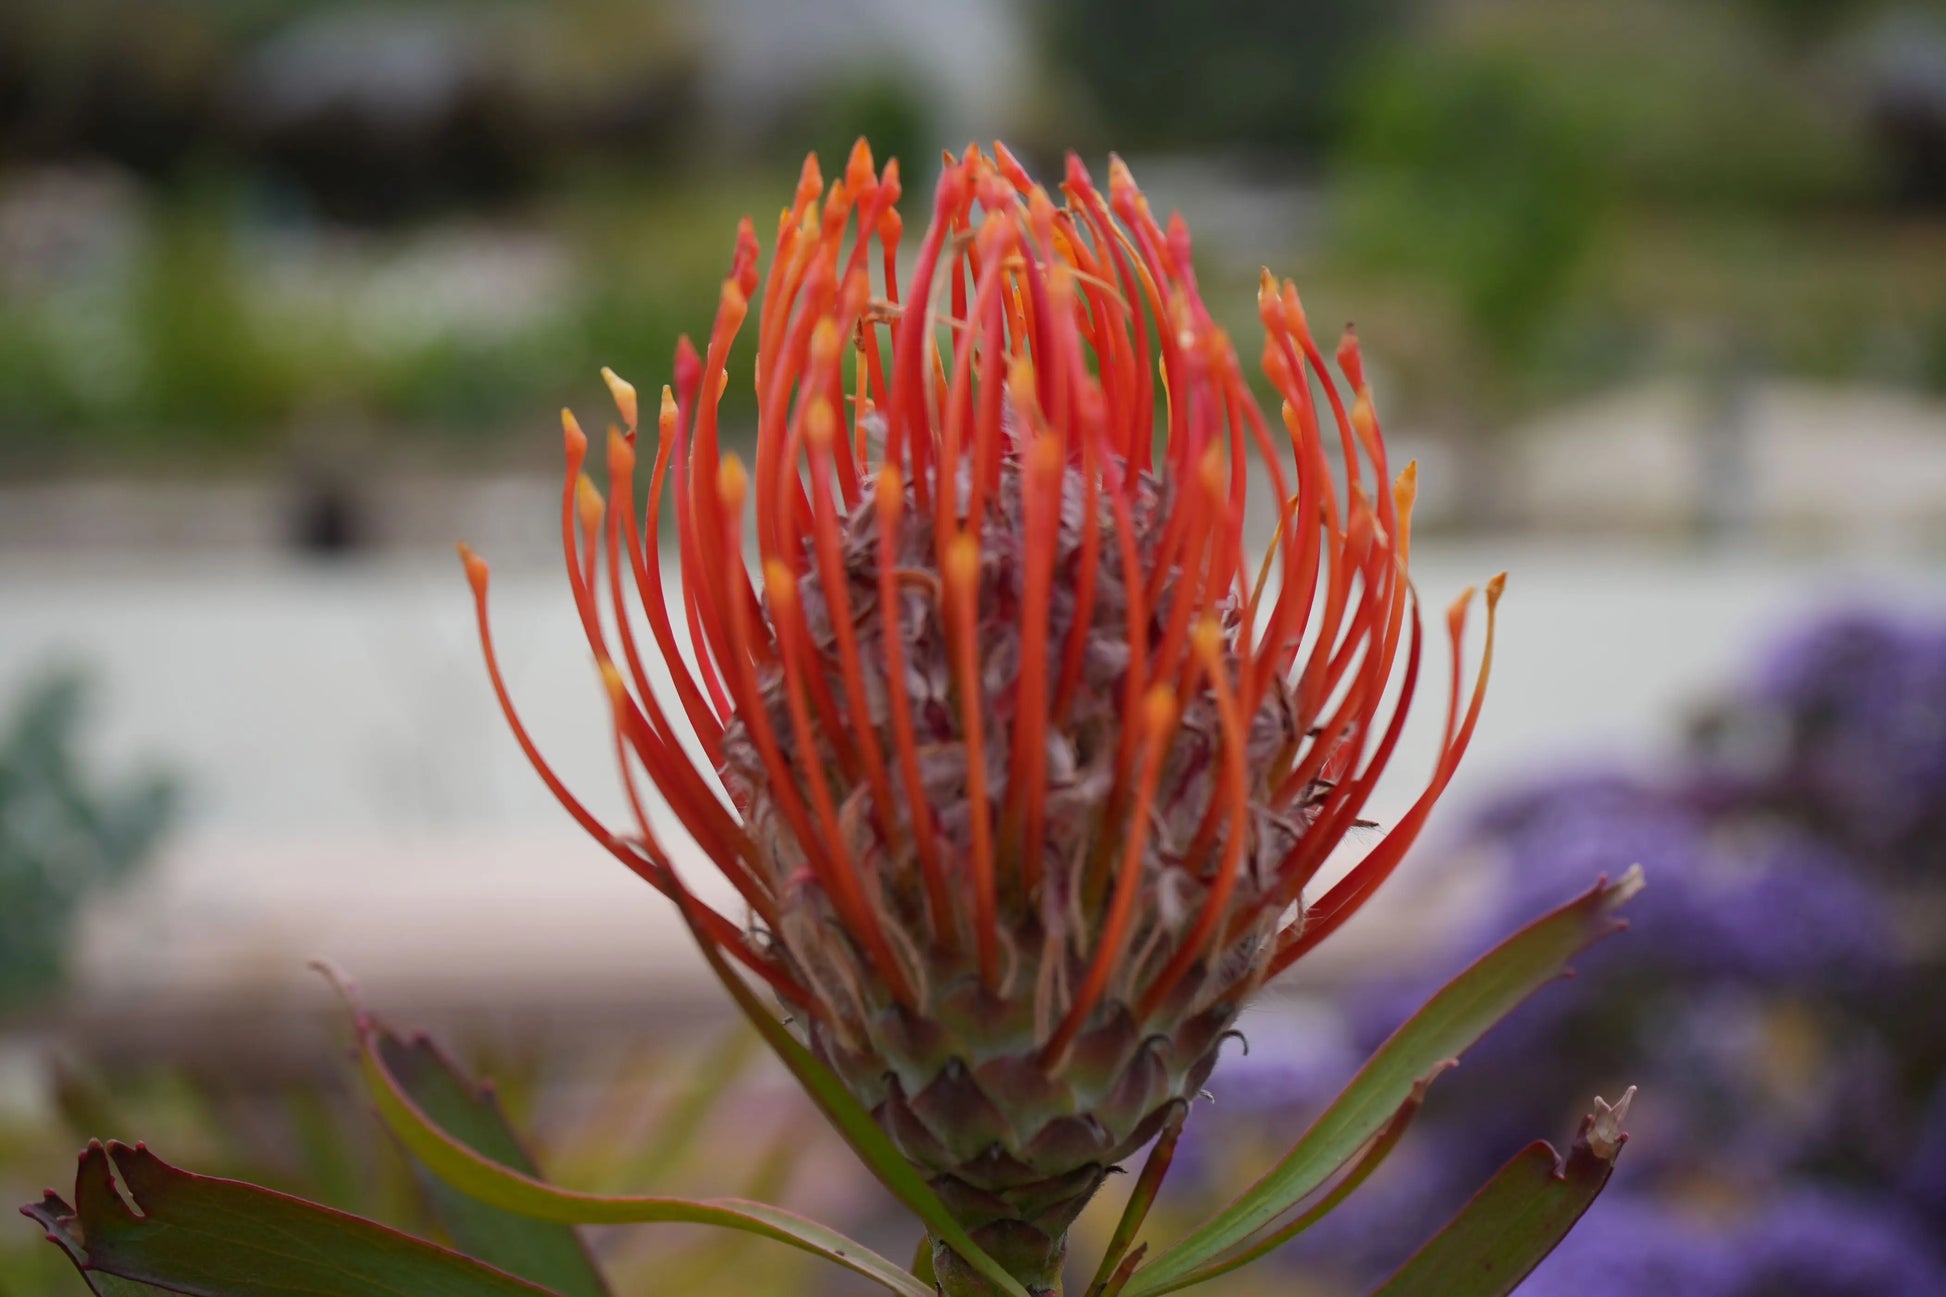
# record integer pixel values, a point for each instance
(1022, 766)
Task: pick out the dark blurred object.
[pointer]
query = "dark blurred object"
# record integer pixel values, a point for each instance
(367, 113)
(326, 520)
(63, 835)
(1903, 70)
(1262, 75)
(108, 80)
(381, 113)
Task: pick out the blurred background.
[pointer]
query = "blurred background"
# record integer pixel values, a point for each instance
(1655, 291)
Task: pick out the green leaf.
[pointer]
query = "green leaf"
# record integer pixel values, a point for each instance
(1448, 1024)
(543, 1251)
(853, 1121)
(510, 1190)
(207, 1237)
(1513, 1222)
(1369, 1161)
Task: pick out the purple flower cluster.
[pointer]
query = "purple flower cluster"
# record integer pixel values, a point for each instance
(1776, 998)
(1805, 1243)
(1844, 727)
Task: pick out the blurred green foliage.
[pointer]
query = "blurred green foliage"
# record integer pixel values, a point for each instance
(681, 1117)
(63, 834)
(1557, 194)
(1523, 198)
(1275, 76)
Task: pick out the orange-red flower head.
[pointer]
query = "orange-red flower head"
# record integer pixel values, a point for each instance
(1022, 764)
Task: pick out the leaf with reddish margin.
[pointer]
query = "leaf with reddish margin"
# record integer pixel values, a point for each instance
(1516, 1219)
(57, 1218)
(207, 1237)
(542, 1251)
(1460, 1013)
(1116, 1257)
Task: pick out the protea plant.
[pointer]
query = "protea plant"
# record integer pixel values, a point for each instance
(1023, 766)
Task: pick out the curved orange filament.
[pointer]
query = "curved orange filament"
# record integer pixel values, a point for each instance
(657, 746)
(1065, 326)
(960, 572)
(889, 501)
(1026, 783)
(842, 877)
(821, 436)
(1356, 887)
(1233, 792)
(645, 562)
(654, 869)
(1158, 722)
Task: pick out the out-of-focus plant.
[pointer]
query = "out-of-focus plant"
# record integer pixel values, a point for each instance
(64, 834)
(1023, 772)
(678, 1113)
(1269, 76)
(1777, 994)
(1565, 194)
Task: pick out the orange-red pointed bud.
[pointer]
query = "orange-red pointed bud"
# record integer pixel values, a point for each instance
(624, 393)
(890, 491)
(621, 455)
(858, 167)
(1010, 167)
(1044, 460)
(732, 483)
(825, 343)
(1349, 359)
(1159, 710)
(588, 502)
(1206, 640)
(1405, 490)
(810, 181)
(780, 585)
(960, 564)
(573, 439)
(820, 426)
(1211, 473)
(476, 569)
(732, 305)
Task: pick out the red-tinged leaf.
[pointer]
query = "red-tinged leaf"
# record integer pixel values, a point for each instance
(545, 1252)
(205, 1237)
(1516, 1219)
(55, 1217)
(1117, 1257)
(1448, 1024)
